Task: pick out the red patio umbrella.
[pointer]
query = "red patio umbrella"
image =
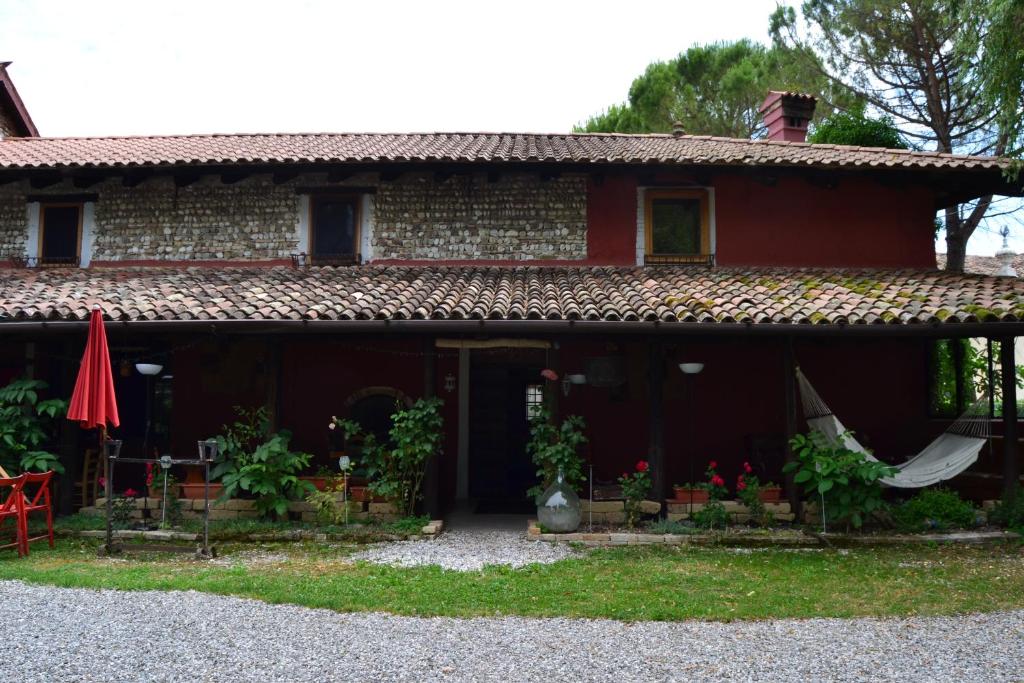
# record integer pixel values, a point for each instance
(93, 404)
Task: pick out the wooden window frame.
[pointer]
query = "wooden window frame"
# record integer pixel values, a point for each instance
(41, 258)
(357, 201)
(702, 256)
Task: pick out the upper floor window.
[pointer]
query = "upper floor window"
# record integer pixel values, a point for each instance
(678, 227)
(334, 229)
(60, 234)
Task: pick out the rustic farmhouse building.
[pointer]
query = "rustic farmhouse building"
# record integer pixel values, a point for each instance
(331, 274)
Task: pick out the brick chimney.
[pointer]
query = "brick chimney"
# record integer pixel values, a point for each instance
(787, 114)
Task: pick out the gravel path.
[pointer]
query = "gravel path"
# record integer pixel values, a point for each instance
(56, 634)
(468, 550)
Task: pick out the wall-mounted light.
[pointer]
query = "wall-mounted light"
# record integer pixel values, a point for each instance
(569, 380)
(691, 368)
(149, 369)
(449, 382)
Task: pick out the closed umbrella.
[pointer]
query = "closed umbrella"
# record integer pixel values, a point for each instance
(93, 405)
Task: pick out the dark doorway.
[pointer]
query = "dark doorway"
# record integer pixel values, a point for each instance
(500, 470)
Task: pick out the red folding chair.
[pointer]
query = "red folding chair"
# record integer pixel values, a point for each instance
(39, 501)
(11, 498)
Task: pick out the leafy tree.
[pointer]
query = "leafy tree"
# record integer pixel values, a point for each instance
(714, 89)
(855, 127)
(906, 59)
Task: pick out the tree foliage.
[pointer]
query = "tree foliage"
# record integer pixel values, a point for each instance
(714, 89)
(855, 127)
(907, 59)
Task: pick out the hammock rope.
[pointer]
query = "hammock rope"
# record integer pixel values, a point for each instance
(951, 453)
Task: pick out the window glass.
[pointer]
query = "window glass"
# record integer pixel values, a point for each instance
(676, 225)
(534, 399)
(59, 234)
(334, 227)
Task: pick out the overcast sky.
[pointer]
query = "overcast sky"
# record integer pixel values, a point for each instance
(144, 67)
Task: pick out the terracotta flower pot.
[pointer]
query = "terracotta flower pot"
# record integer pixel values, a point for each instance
(690, 495)
(358, 493)
(770, 495)
(196, 490)
(321, 483)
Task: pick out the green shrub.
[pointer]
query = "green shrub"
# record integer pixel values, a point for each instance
(253, 460)
(937, 508)
(553, 449)
(1010, 513)
(846, 481)
(25, 427)
(712, 516)
(396, 468)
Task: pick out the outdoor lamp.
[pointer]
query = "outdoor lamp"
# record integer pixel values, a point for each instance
(569, 380)
(208, 450)
(112, 448)
(344, 463)
(165, 462)
(449, 382)
(691, 368)
(148, 369)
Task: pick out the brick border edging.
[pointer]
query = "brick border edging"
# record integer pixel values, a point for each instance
(608, 539)
(429, 532)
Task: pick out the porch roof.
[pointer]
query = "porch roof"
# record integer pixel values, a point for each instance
(634, 297)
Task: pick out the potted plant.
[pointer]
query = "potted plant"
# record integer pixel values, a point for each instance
(191, 489)
(770, 493)
(322, 479)
(690, 493)
(635, 488)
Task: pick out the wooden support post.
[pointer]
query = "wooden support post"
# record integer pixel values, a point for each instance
(462, 465)
(656, 432)
(1011, 465)
(432, 479)
(789, 400)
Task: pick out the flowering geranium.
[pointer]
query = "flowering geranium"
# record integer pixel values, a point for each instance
(635, 488)
(747, 488)
(149, 474)
(130, 493)
(715, 485)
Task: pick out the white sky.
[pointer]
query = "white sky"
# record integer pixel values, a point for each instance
(150, 67)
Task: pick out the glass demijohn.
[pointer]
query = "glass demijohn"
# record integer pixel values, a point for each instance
(558, 509)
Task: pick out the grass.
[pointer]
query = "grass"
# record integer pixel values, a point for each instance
(629, 583)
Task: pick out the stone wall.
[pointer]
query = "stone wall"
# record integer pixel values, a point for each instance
(13, 221)
(253, 219)
(466, 217)
(516, 217)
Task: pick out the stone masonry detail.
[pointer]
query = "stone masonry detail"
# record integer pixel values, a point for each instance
(517, 217)
(418, 216)
(251, 220)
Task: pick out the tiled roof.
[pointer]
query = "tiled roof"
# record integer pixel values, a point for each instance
(114, 152)
(665, 294)
(984, 265)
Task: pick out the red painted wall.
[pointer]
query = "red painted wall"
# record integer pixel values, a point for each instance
(859, 223)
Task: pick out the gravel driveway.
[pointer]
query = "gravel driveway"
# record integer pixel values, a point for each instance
(55, 634)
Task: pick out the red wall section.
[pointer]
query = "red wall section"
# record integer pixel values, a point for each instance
(793, 223)
(611, 220)
(858, 223)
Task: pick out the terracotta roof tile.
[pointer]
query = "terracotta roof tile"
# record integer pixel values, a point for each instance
(578, 148)
(665, 294)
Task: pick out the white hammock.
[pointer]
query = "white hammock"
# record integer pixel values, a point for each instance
(951, 453)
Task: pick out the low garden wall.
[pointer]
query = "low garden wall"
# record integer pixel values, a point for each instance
(242, 508)
(738, 513)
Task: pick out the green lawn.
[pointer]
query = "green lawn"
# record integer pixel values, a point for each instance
(630, 583)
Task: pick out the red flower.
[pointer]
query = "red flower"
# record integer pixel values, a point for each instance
(717, 481)
(130, 493)
(149, 474)
(712, 465)
(102, 481)
(740, 485)
(747, 468)
(625, 475)
(642, 466)
(549, 374)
